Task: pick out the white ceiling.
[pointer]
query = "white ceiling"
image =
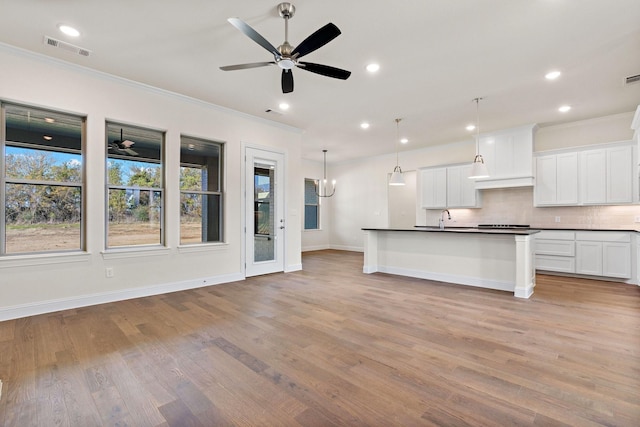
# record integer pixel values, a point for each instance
(435, 57)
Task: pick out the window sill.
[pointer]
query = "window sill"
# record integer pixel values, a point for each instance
(28, 260)
(315, 230)
(135, 252)
(202, 247)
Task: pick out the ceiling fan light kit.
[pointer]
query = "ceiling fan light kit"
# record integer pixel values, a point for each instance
(286, 56)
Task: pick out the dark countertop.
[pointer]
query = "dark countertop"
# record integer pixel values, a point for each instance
(468, 230)
(629, 230)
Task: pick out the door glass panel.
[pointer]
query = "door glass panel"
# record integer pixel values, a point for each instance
(264, 219)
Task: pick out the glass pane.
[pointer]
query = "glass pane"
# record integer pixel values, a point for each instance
(134, 217)
(48, 130)
(201, 165)
(42, 218)
(199, 218)
(310, 217)
(42, 165)
(264, 221)
(310, 196)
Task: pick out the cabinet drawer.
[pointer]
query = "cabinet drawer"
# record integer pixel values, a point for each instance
(556, 235)
(556, 263)
(604, 236)
(555, 247)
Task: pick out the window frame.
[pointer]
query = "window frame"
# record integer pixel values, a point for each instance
(315, 182)
(5, 180)
(219, 192)
(162, 189)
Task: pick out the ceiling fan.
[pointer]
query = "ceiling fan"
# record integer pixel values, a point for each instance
(286, 56)
(122, 146)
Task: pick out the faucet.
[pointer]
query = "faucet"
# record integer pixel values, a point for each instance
(441, 221)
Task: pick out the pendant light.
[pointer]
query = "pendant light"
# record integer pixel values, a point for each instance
(396, 176)
(323, 191)
(478, 168)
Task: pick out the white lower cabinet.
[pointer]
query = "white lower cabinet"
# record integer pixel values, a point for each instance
(593, 253)
(605, 254)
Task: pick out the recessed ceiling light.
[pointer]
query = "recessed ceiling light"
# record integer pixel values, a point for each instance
(471, 127)
(364, 125)
(70, 31)
(191, 147)
(404, 141)
(47, 137)
(552, 75)
(49, 120)
(372, 68)
(284, 106)
(564, 108)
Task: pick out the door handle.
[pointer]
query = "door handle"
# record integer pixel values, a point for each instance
(282, 227)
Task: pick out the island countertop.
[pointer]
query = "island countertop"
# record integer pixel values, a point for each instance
(473, 230)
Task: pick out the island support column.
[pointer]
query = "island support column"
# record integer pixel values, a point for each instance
(525, 270)
(370, 252)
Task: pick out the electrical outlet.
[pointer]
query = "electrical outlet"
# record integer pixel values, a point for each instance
(557, 219)
(109, 272)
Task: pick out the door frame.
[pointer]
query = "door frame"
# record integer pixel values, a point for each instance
(247, 186)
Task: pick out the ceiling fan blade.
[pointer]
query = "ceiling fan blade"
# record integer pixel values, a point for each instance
(287, 81)
(130, 152)
(325, 70)
(245, 66)
(316, 40)
(254, 35)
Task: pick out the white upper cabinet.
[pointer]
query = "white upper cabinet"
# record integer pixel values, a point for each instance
(607, 175)
(556, 179)
(508, 155)
(447, 187)
(596, 175)
(433, 188)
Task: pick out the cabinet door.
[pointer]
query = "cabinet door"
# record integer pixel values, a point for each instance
(594, 176)
(461, 191)
(616, 260)
(567, 179)
(545, 188)
(454, 187)
(434, 188)
(620, 175)
(589, 258)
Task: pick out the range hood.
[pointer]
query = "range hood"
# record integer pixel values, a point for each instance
(508, 155)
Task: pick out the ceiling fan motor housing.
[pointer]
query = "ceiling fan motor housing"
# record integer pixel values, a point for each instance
(286, 10)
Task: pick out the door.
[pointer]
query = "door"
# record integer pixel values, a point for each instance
(264, 201)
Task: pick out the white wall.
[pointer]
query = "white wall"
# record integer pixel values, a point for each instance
(32, 284)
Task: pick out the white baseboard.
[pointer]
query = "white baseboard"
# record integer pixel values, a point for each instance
(347, 248)
(292, 268)
(50, 306)
(315, 248)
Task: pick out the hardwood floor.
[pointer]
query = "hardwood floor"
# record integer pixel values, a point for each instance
(330, 346)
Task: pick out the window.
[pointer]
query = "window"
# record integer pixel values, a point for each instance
(311, 205)
(41, 181)
(200, 191)
(134, 186)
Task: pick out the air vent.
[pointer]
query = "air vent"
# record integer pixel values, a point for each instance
(50, 41)
(632, 79)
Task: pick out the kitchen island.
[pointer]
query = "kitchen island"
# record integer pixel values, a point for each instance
(499, 259)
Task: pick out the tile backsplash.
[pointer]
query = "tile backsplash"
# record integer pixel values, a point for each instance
(515, 206)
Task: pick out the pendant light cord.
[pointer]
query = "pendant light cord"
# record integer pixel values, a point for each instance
(397, 141)
(477, 125)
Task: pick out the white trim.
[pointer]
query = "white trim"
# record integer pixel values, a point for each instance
(347, 248)
(135, 252)
(316, 248)
(50, 306)
(202, 247)
(9, 261)
(292, 268)
(448, 278)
